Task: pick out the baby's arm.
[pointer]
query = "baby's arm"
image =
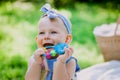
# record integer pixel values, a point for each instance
(63, 71)
(34, 66)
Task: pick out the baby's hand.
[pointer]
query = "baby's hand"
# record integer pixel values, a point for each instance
(68, 53)
(38, 55)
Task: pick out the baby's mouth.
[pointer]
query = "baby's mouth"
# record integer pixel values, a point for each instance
(48, 44)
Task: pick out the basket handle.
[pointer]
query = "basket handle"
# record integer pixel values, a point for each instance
(118, 22)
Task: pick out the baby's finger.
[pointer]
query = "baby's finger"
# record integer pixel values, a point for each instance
(71, 50)
(37, 55)
(68, 52)
(39, 52)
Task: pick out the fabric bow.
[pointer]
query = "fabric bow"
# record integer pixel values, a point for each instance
(48, 11)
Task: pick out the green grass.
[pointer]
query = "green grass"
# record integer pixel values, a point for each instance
(12, 68)
(18, 29)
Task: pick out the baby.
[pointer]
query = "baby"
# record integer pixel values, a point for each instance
(53, 28)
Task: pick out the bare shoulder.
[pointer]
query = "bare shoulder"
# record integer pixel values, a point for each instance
(71, 62)
(71, 67)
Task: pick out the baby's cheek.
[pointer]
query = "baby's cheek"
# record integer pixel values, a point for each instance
(39, 44)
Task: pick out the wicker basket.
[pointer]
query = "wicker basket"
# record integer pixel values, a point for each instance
(110, 46)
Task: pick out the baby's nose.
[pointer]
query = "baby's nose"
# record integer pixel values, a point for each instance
(47, 36)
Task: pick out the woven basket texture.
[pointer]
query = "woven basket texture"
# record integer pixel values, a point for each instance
(110, 45)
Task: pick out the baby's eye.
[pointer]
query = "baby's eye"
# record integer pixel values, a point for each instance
(53, 32)
(41, 33)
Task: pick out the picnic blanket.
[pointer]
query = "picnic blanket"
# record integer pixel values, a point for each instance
(104, 71)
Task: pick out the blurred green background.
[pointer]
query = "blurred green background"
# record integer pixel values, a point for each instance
(18, 29)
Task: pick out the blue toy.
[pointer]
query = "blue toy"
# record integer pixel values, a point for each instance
(57, 50)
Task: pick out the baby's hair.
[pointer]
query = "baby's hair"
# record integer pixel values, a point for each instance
(52, 14)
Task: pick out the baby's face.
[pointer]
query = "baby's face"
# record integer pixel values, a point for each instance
(51, 32)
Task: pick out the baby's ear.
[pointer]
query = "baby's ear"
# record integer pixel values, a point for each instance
(68, 38)
(36, 39)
